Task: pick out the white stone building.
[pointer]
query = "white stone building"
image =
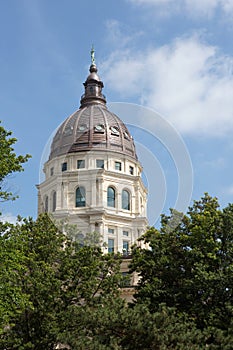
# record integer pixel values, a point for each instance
(93, 176)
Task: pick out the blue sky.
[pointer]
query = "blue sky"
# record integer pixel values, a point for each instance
(173, 56)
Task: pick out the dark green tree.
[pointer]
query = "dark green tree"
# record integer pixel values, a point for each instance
(54, 290)
(51, 277)
(189, 265)
(9, 162)
(117, 326)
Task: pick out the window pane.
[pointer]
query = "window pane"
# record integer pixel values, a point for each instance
(81, 164)
(64, 166)
(111, 197)
(131, 170)
(118, 166)
(126, 233)
(46, 205)
(54, 201)
(111, 231)
(114, 130)
(111, 245)
(125, 247)
(99, 128)
(125, 200)
(80, 197)
(100, 163)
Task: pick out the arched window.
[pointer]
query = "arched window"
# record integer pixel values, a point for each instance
(80, 198)
(111, 197)
(125, 200)
(46, 204)
(54, 201)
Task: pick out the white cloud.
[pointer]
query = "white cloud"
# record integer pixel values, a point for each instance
(218, 163)
(228, 190)
(119, 36)
(204, 8)
(188, 81)
(114, 34)
(8, 217)
(227, 6)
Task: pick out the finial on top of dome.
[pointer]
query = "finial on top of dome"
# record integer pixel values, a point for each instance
(93, 85)
(92, 55)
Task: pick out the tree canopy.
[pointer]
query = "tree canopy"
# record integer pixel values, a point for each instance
(56, 291)
(189, 265)
(9, 162)
(45, 278)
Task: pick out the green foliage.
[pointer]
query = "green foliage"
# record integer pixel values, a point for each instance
(12, 298)
(49, 275)
(116, 326)
(191, 266)
(54, 289)
(40, 246)
(9, 161)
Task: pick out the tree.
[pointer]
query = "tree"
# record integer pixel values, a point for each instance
(12, 298)
(9, 162)
(116, 326)
(189, 265)
(56, 291)
(39, 246)
(50, 277)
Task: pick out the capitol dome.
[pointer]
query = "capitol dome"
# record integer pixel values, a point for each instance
(93, 126)
(93, 177)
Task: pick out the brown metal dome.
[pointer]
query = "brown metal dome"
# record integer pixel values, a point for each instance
(93, 126)
(89, 128)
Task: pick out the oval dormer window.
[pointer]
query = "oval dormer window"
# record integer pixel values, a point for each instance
(99, 128)
(114, 130)
(82, 127)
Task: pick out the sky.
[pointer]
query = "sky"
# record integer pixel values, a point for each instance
(173, 59)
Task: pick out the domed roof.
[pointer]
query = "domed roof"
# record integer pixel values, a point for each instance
(93, 126)
(89, 128)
